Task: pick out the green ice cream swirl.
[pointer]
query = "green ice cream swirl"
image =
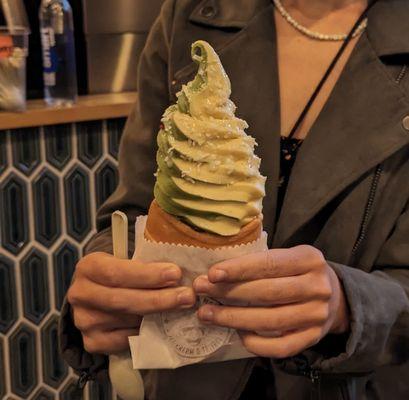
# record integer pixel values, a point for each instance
(208, 174)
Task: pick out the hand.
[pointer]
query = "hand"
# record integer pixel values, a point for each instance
(109, 296)
(291, 298)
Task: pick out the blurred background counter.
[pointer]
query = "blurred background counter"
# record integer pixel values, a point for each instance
(91, 107)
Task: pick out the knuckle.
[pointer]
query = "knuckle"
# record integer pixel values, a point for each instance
(91, 345)
(109, 276)
(324, 287)
(314, 256)
(246, 342)
(323, 312)
(82, 323)
(305, 250)
(276, 322)
(73, 295)
(269, 264)
(267, 294)
(282, 351)
(81, 266)
(224, 316)
(317, 334)
(118, 304)
(317, 258)
(158, 302)
(86, 263)
(250, 346)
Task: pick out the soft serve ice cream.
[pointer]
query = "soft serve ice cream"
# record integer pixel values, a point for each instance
(208, 174)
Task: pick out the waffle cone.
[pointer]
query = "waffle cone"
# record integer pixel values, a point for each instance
(165, 228)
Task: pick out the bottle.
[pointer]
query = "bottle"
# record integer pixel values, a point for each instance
(57, 39)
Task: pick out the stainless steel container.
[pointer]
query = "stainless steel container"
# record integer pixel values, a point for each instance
(115, 33)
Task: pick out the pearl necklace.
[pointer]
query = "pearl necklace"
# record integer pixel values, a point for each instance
(316, 35)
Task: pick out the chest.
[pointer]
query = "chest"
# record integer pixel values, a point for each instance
(302, 62)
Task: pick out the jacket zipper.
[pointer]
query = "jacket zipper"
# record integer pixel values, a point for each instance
(83, 379)
(401, 75)
(371, 198)
(365, 220)
(315, 378)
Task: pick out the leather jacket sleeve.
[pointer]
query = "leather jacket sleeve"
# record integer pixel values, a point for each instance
(379, 308)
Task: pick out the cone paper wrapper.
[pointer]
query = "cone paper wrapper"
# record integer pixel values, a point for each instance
(174, 339)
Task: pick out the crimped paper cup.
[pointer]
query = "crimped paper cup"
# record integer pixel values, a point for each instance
(162, 227)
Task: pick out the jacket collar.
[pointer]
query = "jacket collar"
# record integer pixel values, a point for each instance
(388, 27)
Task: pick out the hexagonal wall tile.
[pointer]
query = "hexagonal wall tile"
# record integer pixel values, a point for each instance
(115, 128)
(3, 151)
(34, 278)
(2, 369)
(26, 149)
(23, 361)
(8, 294)
(71, 391)
(46, 197)
(14, 214)
(106, 180)
(58, 144)
(77, 200)
(89, 136)
(64, 260)
(54, 368)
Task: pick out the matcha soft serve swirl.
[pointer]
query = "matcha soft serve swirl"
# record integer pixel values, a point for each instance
(208, 174)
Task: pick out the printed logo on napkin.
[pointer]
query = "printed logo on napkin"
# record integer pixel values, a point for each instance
(189, 337)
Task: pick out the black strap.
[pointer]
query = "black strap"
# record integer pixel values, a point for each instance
(330, 69)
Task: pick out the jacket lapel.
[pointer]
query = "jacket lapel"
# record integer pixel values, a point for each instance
(359, 127)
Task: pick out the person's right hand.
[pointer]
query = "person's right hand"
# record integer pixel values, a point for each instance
(108, 297)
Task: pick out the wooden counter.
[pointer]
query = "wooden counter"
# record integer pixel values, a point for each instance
(88, 108)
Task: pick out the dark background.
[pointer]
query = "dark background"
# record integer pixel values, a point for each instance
(34, 61)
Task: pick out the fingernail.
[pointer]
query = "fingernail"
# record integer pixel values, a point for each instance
(201, 285)
(186, 298)
(218, 275)
(171, 274)
(206, 314)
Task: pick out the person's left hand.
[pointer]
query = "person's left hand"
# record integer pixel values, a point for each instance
(289, 300)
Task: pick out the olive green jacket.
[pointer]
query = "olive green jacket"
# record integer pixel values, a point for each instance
(348, 194)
